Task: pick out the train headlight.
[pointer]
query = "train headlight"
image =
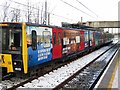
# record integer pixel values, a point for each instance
(15, 63)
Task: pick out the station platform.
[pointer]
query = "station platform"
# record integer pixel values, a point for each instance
(111, 76)
(116, 77)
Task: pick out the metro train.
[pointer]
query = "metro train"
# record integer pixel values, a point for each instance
(26, 45)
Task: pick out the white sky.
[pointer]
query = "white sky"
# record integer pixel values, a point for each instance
(107, 10)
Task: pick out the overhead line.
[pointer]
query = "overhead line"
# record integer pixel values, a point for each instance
(52, 13)
(23, 4)
(77, 8)
(86, 7)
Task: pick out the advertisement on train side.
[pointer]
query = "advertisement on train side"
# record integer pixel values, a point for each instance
(44, 45)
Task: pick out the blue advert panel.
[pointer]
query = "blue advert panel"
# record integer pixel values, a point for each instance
(44, 45)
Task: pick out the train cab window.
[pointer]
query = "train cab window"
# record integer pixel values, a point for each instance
(59, 38)
(11, 38)
(46, 39)
(14, 39)
(54, 38)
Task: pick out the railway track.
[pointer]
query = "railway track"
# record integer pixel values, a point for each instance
(28, 82)
(88, 76)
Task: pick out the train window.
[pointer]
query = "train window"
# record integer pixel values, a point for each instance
(46, 39)
(34, 40)
(4, 39)
(77, 39)
(59, 38)
(54, 38)
(86, 35)
(91, 35)
(11, 39)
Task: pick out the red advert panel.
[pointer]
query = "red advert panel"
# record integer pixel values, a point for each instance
(71, 41)
(82, 44)
(57, 43)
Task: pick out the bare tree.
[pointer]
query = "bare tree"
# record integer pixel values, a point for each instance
(29, 12)
(42, 15)
(5, 10)
(15, 15)
(36, 15)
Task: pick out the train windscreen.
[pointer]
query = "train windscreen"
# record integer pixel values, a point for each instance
(11, 39)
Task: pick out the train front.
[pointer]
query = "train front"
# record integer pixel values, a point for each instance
(11, 41)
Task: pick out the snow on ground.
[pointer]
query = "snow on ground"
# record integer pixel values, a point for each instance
(52, 79)
(115, 40)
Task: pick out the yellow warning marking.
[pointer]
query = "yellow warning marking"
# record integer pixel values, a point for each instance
(3, 24)
(113, 75)
(24, 48)
(6, 61)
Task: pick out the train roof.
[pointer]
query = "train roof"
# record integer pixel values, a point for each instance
(72, 27)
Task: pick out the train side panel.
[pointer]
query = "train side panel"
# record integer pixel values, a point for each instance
(96, 38)
(71, 41)
(57, 43)
(42, 53)
(82, 44)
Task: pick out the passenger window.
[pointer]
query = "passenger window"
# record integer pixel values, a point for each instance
(34, 40)
(46, 39)
(59, 38)
(54, 38)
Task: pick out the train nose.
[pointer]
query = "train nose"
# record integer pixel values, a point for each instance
(6, 61)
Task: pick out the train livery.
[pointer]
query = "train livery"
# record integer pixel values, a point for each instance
(25, 45)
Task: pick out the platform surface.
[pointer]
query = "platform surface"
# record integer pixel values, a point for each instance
(116, 77)
(111, 76)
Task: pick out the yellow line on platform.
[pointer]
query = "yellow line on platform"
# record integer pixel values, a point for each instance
(113, 74)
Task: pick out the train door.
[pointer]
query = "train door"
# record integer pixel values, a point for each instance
(96, 38)
(82, 44)
(86, 40)
(57, 43)
(90, 38)
(93, 38)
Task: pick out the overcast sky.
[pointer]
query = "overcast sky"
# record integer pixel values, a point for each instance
(102, 10)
